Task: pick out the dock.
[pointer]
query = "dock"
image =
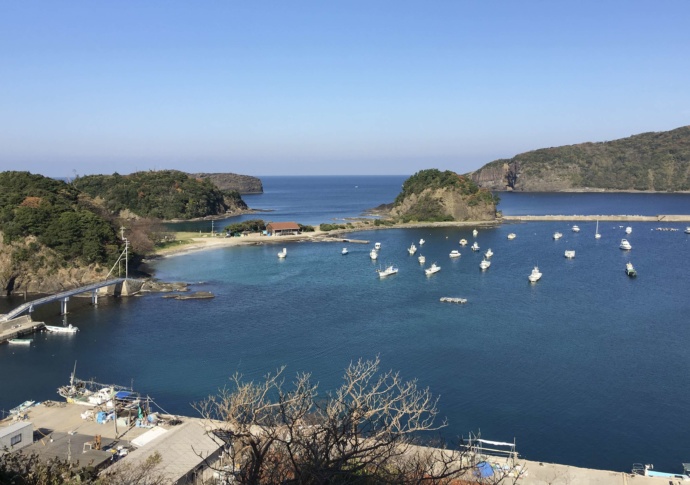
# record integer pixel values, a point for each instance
(19, 327)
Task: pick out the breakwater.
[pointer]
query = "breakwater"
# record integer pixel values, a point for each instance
(593, 218)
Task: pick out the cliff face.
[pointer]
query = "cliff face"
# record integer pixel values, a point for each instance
(449, 202)
(244, 184)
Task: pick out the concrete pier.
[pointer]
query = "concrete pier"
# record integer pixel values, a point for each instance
(18, 327)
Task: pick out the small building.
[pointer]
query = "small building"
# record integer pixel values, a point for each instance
(282, 228)
(16, 436)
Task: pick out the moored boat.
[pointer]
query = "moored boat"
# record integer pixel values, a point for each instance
(421, 259)
(535, 275)
(596, 232)
(628, 230)
(389, 270)
(485, 264)
(488, 253)
(58, 329)
(475, 246)
(22, 407)
(570, 253)
(557, 235)
(20, 341)
(687, 230)
(283, 253)
(454, 253)
(625, 245)
(576, 228)
(377, 246)
(373, 254)
(412, 249)
(512, 236)
(463, 242)
(630, 269)
(344, 251)
(432, 269)
(421, 242)
(475, 232)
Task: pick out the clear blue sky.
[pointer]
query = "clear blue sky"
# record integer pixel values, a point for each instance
(330, 87)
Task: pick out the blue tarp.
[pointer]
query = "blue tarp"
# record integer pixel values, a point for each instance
(484, 470)
(123, 394)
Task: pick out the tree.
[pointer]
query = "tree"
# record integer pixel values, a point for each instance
(364, 432)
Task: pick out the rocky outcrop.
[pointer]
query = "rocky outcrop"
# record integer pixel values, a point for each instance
(244, 184)
(449, 202)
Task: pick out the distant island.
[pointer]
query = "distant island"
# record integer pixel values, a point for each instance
(655, 161)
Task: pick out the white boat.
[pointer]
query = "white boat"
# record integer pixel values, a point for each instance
(687, 230)
(58, 329)
(535, 275)
(451, 299)
(625, 245)
(412, 249)
(630, 269)
(421, 242)
(283, 253)
(432, 269)
(454, 253)
(390, 269)
(344, 251)
(22, 407)
(377, 246)
(576, 229)
(570, 253)
(512, 236)
(373, 254)
(20, 341)
(421, 259)
(557, 235)
(488, 253)
(475, 232)
(463, 242)
(596, 233)
(475, 246)
(485, 264)
(628, 230)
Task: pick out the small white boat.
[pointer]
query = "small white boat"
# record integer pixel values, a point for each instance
(628, 230)
(485, 264)
(535, 275)
(373, 254)
(596, 233)
(20, 341)
(283, 253)
(377, 246)
(557, 235)
(625, 245)
(421, 242)
(463, 242)
(451, 299)
(390, 269)
(570, 253)
(687, 230)
(344, 251)
(454, 253)
(432, 269)
(512, 236)
(475, 246)
(421, 259)
(22, 407)
(58, 329)
(475, 232)
(412, 249)
(576, 229)
(630, 269)
(488, 253)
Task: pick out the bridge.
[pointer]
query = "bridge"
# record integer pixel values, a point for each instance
(62, 297)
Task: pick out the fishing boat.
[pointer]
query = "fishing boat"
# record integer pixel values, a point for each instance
(488, 253)
(454, 253)
(512, 236)
(452, 299)
(22, 407)
(570, 253)
(283, 253)
(390, 269)
(432, 269)
(344, 251)
(535, 275)
(628, 230)
(373, 254)
(91, 393)
(557, 235)
(377, 246)
(596, 232)
(421, 259)
(475, 232)
(475, 246)
(412, 249)
(421, 242)
(630, 269)
(485, 264)
(625, 245)
(463, 242)
(20, 341)
(576, 228)
(57, 329)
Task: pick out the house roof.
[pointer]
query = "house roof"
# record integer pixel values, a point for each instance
(282, 226)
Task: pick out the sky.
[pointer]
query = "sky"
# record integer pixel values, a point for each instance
(366, 87)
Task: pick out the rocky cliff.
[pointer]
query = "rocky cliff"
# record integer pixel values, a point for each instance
(244, 184)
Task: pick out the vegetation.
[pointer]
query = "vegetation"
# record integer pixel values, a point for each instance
(253, 225)
(55, 215)
(166, 194)
(331, 227)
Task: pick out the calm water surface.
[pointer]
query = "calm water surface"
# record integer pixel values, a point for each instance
(586, 367)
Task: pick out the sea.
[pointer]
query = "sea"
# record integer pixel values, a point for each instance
(587, 367)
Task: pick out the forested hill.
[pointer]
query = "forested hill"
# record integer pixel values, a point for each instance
(656, 161)
(165, 194)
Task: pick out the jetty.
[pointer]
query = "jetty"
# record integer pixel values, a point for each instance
(632, 218)
(18, 327)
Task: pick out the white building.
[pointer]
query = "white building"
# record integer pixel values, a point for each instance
(16, 436)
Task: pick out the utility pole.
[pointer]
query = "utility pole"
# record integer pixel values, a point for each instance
(122, 232)
(211, 227)
(126, 258)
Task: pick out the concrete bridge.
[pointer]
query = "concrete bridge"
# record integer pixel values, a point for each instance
(63, 298)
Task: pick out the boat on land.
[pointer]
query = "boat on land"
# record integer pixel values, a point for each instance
(421, 242)
(412, 249)
(475, 232)
(432, 269)
(488, 253)
(463, 242)
(625, 245)
(20, 341)
(535, 275)
(630, 269)
(373, 254)
(570, 253)
(344, 251)
(485, 264)
(576, 228)
(390, 269)
(512, 236)
(454, 253)
(377, 246)
(421, 259)
(22, 407)
(58, 329)
(283, 253)
(628, 230)
(557, 235)
(452, 299)
(475, 246)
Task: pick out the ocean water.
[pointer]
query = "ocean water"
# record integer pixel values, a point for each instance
(586, 367)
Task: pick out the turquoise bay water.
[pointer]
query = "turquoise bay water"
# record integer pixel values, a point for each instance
(586, 367)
